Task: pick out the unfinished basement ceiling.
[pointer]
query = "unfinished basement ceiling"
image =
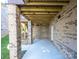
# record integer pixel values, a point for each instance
(42, 11)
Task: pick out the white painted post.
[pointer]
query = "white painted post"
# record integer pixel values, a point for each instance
(52, 32)
(14, 32)
(29, 32)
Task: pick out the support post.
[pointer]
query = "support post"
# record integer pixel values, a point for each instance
(14, 32)
(29, 32)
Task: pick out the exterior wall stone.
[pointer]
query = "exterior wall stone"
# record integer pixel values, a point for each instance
(14, 31)
(40, 32)
(65, 30)
(29, 32)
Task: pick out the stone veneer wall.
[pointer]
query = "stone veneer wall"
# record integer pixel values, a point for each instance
(14, 31)
(40, 32)
(64, 30)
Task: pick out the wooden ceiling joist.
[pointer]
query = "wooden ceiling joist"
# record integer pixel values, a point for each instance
(25, 1)
(41, 9)
(48, 3)
(34, 15)
(39, 13)
(40, 6)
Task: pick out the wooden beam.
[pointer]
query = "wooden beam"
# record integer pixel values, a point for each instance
(46, 0)
(41, 9)
(39, 17)
(39, 6)
(40, 13)
(48, 3)
(26, 1)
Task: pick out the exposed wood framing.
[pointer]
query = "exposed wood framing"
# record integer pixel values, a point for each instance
(48, 3)
(44, 8)
(39, 13)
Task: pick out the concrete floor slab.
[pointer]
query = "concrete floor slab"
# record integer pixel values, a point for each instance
(42, 49)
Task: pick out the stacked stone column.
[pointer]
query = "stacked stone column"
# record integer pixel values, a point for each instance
(14, 31)
(29, 32)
